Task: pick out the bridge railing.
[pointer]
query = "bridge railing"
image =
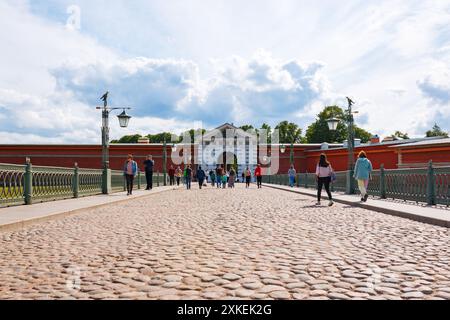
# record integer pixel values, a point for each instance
(27, 184)
(422, 185)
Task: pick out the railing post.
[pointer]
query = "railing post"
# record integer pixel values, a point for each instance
(431, 185)
(157, 179)
(28, 183)
(76, 182)
(382, 182)
(106, 179)
(139, 180)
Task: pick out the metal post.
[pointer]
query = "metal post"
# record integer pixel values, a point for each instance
(28, 183)
(382, 182)
(165, 162)
(298, 180)
(157, 179)
(139, 180)
(351, 147)
(431, 185)
(106, 179)
(292, 154)
(306, 180)
(76, 182)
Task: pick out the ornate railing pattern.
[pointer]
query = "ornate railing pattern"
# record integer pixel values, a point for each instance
(51, 183)
(11, 184)
(442, 189)
(90, 182)
(407, 184)
(27, 184)
(430, 185)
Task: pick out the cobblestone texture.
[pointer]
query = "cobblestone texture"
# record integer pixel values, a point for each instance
(226, 244)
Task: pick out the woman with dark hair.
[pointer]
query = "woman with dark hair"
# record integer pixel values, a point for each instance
(323, 173)
(363, 170)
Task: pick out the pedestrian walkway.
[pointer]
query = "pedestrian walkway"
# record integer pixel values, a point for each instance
(262, 244)
(434, 216)
(18, 217)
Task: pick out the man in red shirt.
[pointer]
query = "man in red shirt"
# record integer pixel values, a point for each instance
(258, 175)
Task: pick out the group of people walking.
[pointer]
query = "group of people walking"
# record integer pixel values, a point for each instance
(222, 178)
(325, 176)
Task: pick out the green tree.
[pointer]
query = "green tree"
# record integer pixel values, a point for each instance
(128, 139)
(247, 127)
(268, 130)
(319, 131)
(436, 131)
(159, 137)
(289, 132)
(399, 134)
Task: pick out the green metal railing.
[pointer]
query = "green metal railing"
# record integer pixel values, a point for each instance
(428, 185)
(28, 184)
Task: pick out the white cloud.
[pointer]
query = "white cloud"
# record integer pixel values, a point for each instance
(391, 56)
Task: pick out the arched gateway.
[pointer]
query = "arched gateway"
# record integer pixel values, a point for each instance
(229, 146)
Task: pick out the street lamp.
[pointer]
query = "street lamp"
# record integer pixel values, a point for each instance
(292, 154)
(124, 119)
(332, 125)
(165, 162)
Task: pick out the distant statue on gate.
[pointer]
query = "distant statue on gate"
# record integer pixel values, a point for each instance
(105, 98)
(350, 102)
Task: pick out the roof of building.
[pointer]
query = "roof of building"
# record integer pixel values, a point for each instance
(396, 143)
(422, 143)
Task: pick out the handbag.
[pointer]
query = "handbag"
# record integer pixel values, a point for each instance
(333, 177)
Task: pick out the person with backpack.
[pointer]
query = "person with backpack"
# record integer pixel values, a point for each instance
(324, 172)
(212, 176)
(188, 177)
(248, 177)
(130, 170)
(292, 174)
(178, 175)
(363, 171)
(201, 175)
(219, 176)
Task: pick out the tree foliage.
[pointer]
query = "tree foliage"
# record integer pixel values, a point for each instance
(319, 132)
(289, 132)
(436, 131)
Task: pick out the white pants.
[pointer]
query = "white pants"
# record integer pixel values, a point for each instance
(362, 185)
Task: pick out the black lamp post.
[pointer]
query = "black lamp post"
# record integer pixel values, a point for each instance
(332, 125)
(124, 120)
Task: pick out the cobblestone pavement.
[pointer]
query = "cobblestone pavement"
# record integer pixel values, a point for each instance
(226, 244)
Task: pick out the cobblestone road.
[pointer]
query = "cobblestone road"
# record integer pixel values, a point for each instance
(226, 244)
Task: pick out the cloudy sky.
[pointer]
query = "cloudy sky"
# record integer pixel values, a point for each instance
(178, 62)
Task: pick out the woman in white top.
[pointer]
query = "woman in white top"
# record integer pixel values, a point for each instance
(324, 172)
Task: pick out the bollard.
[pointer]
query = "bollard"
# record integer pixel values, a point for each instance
(28, 183)
(431, 185)
(306, 180)
(298, 180)
(157, 179)
(382, 182)
(76, 182)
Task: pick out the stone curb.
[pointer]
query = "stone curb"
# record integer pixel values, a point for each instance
(20, 225)
(397, 213)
